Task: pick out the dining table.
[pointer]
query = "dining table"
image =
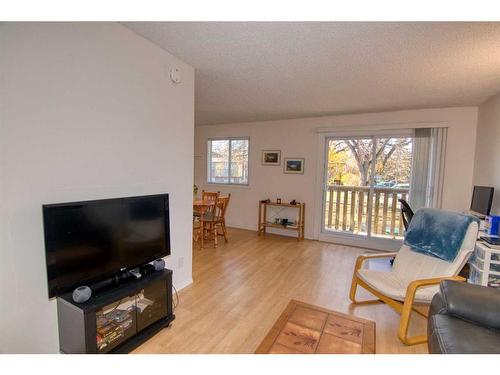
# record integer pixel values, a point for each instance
(202, 205)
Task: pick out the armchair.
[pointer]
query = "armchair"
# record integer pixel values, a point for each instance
(413, 280)
(464, 319)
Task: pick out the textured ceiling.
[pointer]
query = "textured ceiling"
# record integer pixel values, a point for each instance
(252, 71)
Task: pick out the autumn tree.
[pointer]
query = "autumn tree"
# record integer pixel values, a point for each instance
(361, 151)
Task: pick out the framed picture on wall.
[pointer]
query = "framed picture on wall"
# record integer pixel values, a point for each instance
(294, 165)
(271, 157)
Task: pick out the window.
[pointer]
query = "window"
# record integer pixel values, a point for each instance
(228, 161)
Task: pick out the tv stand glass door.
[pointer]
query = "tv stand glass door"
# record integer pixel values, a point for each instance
(115, 323)
(119, 321)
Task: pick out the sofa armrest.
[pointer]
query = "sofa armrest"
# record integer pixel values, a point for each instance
(471, 302)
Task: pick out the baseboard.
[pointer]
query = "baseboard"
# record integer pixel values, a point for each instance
(384, 245)
(369, 245)
(184, 285)
(229, 225)
(271, 231)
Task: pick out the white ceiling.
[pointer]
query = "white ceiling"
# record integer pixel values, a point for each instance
(252, 71)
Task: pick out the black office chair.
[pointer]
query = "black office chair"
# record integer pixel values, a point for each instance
(406, 213)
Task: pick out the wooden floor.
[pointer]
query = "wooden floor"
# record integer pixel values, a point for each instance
(241, 288)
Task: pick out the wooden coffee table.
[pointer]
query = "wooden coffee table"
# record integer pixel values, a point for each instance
(308, 329)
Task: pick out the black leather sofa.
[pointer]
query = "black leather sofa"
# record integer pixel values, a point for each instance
(464, 318)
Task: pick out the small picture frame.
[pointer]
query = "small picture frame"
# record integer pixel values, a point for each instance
(278, 201)
(271, 157)
(294, 165)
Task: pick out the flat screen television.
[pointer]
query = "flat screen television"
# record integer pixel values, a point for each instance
(482, 197)
(86, 242)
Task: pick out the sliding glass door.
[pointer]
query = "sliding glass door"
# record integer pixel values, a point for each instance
(393, 171)
(364, 179)
(348, 176)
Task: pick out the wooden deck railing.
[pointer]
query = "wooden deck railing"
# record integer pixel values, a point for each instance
(347, 208)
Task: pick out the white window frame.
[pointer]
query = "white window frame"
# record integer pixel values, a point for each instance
(209, 160)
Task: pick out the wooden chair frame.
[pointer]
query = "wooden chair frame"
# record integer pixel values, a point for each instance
(404, 308)
(218, 219)
(197, 213)
(210, 196)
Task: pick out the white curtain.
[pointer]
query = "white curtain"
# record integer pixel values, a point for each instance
(428, 167)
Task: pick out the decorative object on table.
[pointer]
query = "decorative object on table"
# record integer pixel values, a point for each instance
(278, 201)
(284, 222)
(265, 200)
(271, 157)
(294, 165)
(307, 329)
(293, 203)
(418, 270)
(274, 219)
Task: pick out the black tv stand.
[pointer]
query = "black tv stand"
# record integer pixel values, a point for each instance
(117, 319)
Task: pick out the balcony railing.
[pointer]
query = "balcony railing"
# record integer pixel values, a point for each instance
(347, 209)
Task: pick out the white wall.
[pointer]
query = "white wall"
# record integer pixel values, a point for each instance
(298, 138)
(487, 163)
(87, 112)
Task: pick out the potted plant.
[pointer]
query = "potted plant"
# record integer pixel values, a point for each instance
(195, 192)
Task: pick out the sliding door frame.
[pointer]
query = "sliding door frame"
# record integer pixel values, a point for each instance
(352, 239)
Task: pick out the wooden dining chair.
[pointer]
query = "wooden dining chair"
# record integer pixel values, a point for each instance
(196, 228)
(209, 196)
(218, 220)
(208, 214)
(222, 216)
(206, 196)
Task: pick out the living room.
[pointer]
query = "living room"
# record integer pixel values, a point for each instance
(308, 151)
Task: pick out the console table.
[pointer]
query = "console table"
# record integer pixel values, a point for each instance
(264, 223)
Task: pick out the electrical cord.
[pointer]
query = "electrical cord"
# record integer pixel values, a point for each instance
(176, 296)
(114, 308)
